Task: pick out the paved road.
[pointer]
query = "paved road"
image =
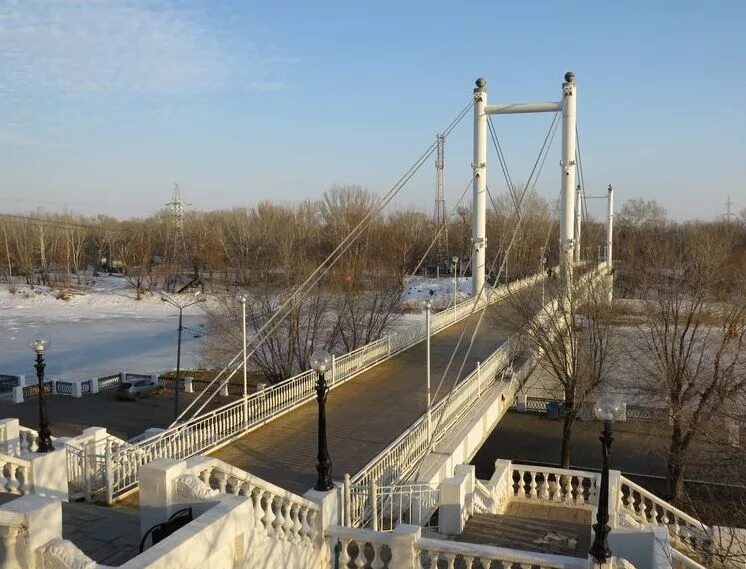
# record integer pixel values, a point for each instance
(363, 415)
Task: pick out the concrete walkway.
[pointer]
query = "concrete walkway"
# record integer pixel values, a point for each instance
(108, 535)
(364, 415)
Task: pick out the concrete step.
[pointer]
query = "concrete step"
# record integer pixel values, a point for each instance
(528, 534)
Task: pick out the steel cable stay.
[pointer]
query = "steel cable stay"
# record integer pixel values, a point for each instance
(531, 184)
(304, 288)
(579, 161)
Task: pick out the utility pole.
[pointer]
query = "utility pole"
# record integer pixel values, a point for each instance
(610, 229)
(479, 198)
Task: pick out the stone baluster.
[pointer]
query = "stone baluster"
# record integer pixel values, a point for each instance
(288, 525)
(344, 556)
(295, 525)
(360, 561)
(544, 488)
(256, 497)
(451, 560)
(532, 485)
(269, 515)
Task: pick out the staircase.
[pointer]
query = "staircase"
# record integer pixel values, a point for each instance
(528, 534)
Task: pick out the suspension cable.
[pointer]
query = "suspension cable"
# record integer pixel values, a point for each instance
(304, 288)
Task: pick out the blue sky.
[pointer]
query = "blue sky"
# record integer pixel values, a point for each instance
(105, 104)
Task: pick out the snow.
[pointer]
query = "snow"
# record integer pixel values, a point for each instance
(105, 330)
(419, 289)
(97, 333)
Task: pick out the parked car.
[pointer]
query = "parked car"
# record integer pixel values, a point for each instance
(136, 389)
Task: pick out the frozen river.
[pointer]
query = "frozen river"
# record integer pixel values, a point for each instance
(95, 335)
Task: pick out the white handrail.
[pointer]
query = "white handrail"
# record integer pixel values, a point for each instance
(659, 502)
(504, 554)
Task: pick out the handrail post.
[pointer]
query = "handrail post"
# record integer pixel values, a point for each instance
(374, 505)
(479, 379)
(109, 482)
(333, 377)
(88, 447)
(347, 499)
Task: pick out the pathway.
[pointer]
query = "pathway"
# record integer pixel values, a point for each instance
(364, 415)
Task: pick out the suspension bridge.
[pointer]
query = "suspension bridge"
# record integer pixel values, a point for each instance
(378, 404)
(399, 455)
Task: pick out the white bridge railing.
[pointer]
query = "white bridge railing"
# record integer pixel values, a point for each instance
(210, 430)
(396, 461)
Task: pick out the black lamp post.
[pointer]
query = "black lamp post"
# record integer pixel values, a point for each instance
(607, 409)
(45, 435)
(181, 307)
(320, 362)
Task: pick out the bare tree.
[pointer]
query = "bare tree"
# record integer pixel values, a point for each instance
(692, 339)
(571, 335)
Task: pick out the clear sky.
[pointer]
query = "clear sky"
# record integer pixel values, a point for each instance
(104, 104)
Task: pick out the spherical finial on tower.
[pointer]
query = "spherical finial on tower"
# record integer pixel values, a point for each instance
(481, 83)
(569, 77)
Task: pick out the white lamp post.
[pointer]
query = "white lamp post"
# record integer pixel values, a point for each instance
(428, 306)
(454, 260)
(243, 299)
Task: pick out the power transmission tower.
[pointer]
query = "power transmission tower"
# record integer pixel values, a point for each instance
(439, 211)
(177, 255)
(729, 215)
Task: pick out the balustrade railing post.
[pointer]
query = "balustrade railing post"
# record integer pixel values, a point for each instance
(108, 474)
(347, 498)
(374, 506)
(333, 377)
(88, 447)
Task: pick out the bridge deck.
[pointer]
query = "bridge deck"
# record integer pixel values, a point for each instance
(364, 415)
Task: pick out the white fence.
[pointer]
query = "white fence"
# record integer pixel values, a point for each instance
(212, 429)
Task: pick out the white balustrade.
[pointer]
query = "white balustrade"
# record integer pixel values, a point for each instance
(640, 507)
(557, 485)
(359, 548)
(484, 498)
(281, 514)
(435, 553)
(15, 474)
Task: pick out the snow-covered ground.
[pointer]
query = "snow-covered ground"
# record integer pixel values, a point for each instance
(440, 291)
(101, 332)
(106, 330)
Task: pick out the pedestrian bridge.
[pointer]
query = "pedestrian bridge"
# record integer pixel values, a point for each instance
(377, 394)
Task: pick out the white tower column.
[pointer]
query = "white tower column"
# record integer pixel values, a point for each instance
(479, 199)
(567, 197)
(610, 229)
(578, 222)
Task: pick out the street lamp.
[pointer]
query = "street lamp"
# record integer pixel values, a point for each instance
(320, 362)
(181, 306)
(428, 306)
(454, 260)
(243, 299)
(38, 345)
(607, 409)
